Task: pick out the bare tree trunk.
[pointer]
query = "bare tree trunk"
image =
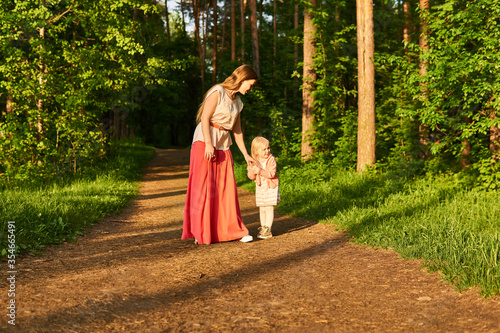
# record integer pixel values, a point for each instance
(407, 27)
(466, 150)
(116, 123)
(275, 37)
(167, 21)
(465, 154)
(183, 18)
(243, 4)
(8, 106)
(424, 48)
(296, 49)
(309, 78)
(214, 58)
(255, 36)
(41, 81)
(224, 32)
(366, 84)
(206, 22)
(296, 26)
(494, 138)
(196, 13)
(233, 30)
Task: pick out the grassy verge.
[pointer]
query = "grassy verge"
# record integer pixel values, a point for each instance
(60, 211)
(454, 227)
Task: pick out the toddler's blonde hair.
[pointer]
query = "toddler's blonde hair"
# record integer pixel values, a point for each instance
(257, 144)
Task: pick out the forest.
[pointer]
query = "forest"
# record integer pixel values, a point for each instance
(389, 108)
(76, 74)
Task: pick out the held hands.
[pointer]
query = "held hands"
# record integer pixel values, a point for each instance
(255, 169)
(253, 172)
(250, 160)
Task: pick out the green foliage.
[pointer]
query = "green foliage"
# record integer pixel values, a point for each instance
(442, 219)
(61, 210)
(65, 64)
(458, 97)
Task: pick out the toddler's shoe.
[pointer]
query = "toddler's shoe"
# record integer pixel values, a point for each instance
(264, 232)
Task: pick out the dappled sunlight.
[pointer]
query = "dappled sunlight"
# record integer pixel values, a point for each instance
(134, 267)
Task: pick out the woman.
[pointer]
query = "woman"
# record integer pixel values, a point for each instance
(212, 211)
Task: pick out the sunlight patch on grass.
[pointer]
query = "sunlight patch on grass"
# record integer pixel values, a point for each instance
(453, 227)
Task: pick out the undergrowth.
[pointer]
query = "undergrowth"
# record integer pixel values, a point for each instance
(50, 214)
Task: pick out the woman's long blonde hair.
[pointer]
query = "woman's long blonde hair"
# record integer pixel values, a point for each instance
(233, 82)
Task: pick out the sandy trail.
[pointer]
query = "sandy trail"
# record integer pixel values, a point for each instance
(133, 273)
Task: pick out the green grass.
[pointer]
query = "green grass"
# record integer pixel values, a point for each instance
(60, 211)
(442, 219)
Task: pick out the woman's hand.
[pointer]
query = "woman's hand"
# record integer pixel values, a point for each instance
(250, 160)
(209, 153)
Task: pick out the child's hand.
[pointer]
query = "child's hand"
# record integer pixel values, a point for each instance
(255, 169)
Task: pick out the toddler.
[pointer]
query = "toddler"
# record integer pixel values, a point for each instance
(267, 194)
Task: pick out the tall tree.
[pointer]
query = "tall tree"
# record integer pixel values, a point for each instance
(255, 36)
(424, 49)
(196, 13)
(243, 4)
(407, 26)
(366, 84)
(167, 23)
(214, 58)
(41, 79)
(275, 37)
(206, 23)
(309, 77)
(296, 27)
(494, 137)
(233, 30)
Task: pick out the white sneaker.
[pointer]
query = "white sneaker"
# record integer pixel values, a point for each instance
(246, 239)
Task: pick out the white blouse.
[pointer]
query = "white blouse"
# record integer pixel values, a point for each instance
(225, 115)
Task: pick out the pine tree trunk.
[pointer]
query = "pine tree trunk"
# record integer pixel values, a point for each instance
(494, 138)
(41, 81)
(407, 27)
(275, 37)
(309, 78)
(466, 150)
(296, 27)
(196, 13)
(8, 106)
(366, 84)
(224, 32)
(183, 18)
(167, 24)
(116, 123)
(206, 18)
(255, 36)
(243, 4)
(296, 50)
(233, 30)
(424, 48)
(214, 58)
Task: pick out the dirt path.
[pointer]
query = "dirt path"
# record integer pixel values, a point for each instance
(133, 273)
